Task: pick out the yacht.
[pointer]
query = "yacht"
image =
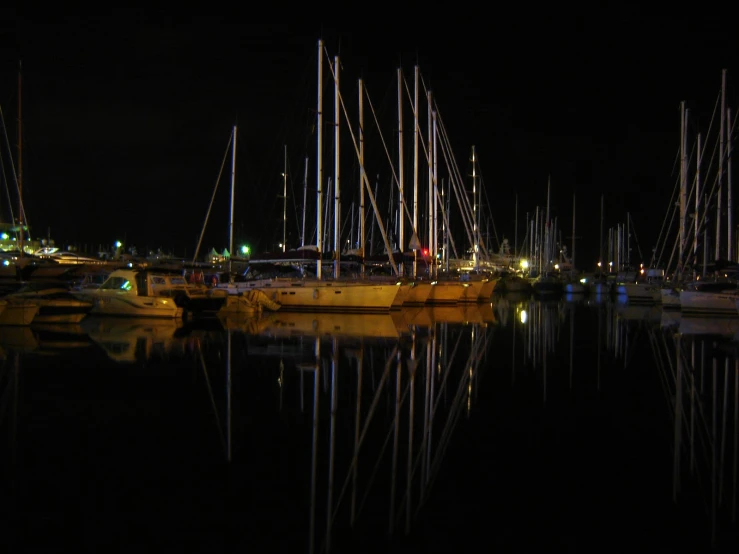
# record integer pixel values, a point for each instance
(56, 303)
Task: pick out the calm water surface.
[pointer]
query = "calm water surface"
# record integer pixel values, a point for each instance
(567, 425)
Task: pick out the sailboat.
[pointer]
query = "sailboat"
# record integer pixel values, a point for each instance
(316, 293)
(599, 285)
(573, 285)
(547, 283)
(16, 244)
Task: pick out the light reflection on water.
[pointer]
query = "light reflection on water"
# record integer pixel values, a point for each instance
(519, 422)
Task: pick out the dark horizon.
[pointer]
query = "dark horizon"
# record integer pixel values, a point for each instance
(125, 126)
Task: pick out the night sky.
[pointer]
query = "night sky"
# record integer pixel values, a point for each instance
(126, 120)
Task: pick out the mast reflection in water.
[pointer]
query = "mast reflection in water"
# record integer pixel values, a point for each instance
(570, 424)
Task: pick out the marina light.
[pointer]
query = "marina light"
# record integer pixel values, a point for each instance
(524, 264)
(4, 236)
(245, 250)
(118, 244)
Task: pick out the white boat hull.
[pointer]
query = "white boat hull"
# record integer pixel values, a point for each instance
(708, 303)
(639, 292)
(332, 296)
(17, 312)
(126, 305)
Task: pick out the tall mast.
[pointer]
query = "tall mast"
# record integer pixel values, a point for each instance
(284, 204)
(401, 181)
(696, 219)
(721, 164)
(683, 185)
(430, 156)
(415, 169)
(572, 256)
(361, 164)
(547, 255)
(231, 217)
(600, 255)
(337, 191)
(319, 163)
(515, 229)
(21, 214)
(475, 230)
(729, 200)
(305, 198)
(435, 194)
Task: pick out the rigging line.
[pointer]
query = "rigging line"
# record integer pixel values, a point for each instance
(396, 181)
(211, 397)
(712, 191)
(490, 216)
(295, 205)
(371, 195)
(667, 224)
(212, 198)
(371, 411)
(12, 168)
(456, 181)
(7, 189)
(456, 177)
(488, 205)
(633, 230)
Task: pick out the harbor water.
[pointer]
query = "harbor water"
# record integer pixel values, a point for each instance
(573, 425)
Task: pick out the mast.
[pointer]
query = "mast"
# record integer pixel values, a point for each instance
(447, 206)
(572, 256)
(415, 171)
(319, 164)
(683, 186)
(231, 217)
(475, 229)
(305, 199)
(696, 218)
(722, 131)
(284, 204)
(337, 205)
(515, 230)
(600, 255)
(430, 146)
(361, 164)
(729, 200)
(435, 195)
(401, 181)
(537, 240)
(546, 228)
(21, 214)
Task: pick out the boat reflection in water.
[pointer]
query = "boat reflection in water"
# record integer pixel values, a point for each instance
(404, 394)
(131, 339)
(697, 360)
(318, 432)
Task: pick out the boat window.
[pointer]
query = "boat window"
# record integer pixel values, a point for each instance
(158, 280)
(141, 283)
(117, 283)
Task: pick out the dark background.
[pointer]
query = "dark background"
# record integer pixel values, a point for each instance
(126, 119)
